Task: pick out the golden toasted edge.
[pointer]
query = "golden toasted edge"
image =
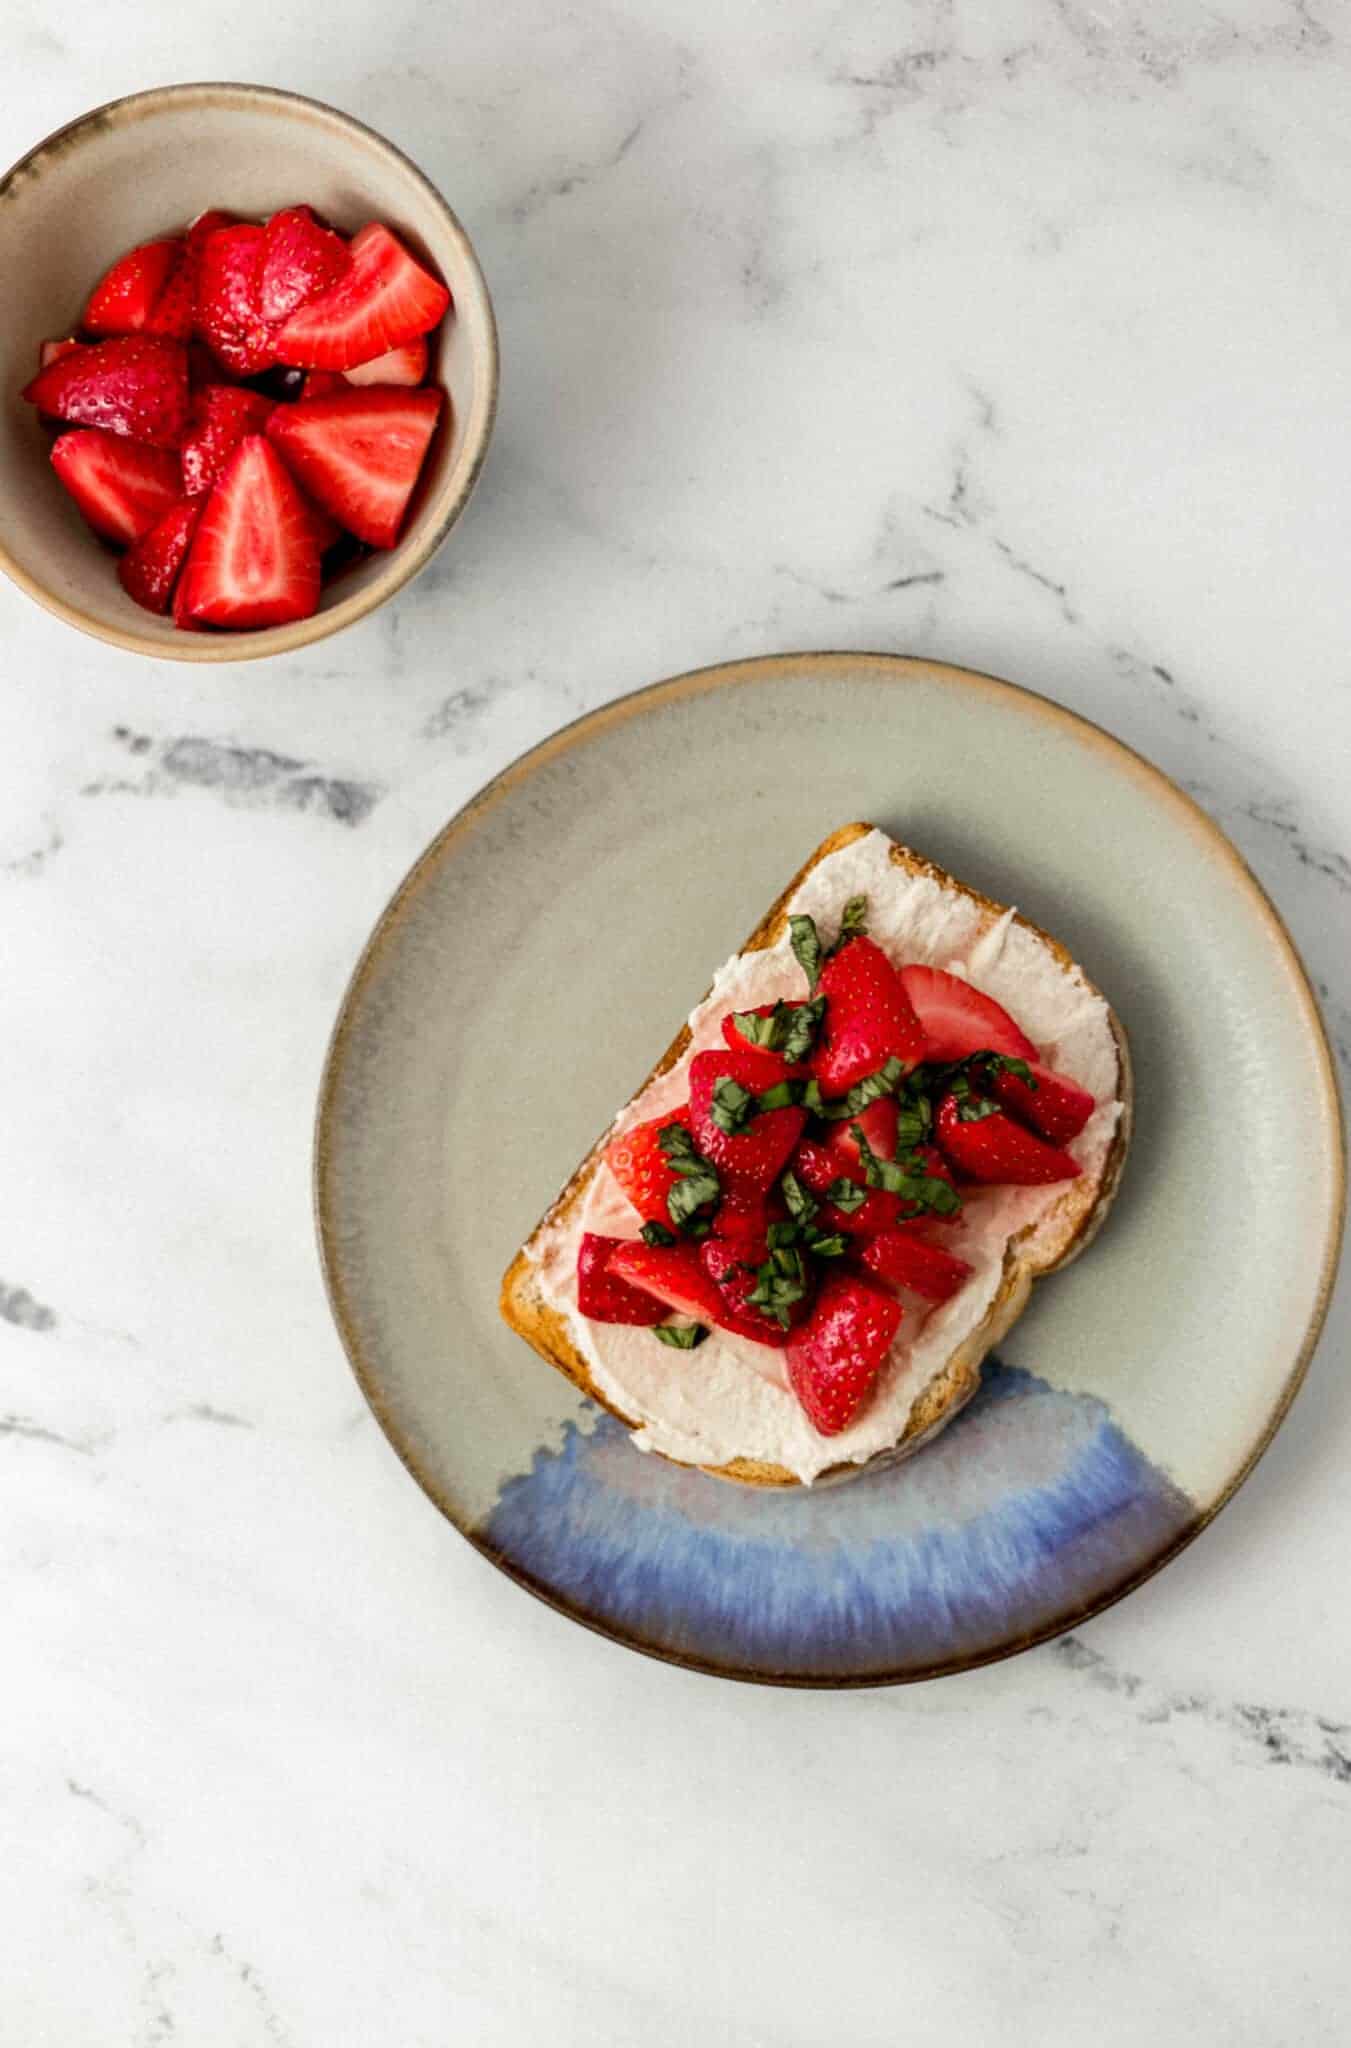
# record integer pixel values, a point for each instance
(1062, 1234)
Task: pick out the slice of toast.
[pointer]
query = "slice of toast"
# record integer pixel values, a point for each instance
(1059, 1235)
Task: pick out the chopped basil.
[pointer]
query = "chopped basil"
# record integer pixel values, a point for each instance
(680, 1336)
(781, 1096)
(780, 1234)
(732, 1106)
(656, 1233)
(853, 923)
(789, 1029)
(908, 1178)
(801, 1207)
(871, 1088)
(827, 1246)
(806, 943)
(780, 1282)
(698, 1184)
(846, 1195)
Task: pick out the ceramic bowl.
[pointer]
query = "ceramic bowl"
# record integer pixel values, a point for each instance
(136, 168)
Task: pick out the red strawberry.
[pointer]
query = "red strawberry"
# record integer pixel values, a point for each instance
(603, 1296)
(878, 1124)
(1057, 1107)
(674, 1274)
(136, 385)
(221, 416)
(321, 383)
(902, 1259)
(228, 314)
(207, 224)
(640, 1166)
(124, 298)
(176, 307)
(122, 489)
(755, 1155)
(746, 1211)
(182, 618)
(957, 1019)
(254, 561)
(868, 1018)
(358, 454)
(406, 365)
(385, 299)
(300, 260)
(149, 570)
(835, 1358)
(818, 1167)
(995, 1148)
(52, 351)
(731, 1268)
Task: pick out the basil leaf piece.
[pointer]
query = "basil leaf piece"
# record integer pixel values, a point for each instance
(846, 1195)
(827, 1247)
(656, 1233)
(801, 1207)
(779, 1284)
(976, 1108)
(680, 1336)
(853, 923)
(698, 1184)
(781, 1096)
(780, 1234)
(908, 1178)
(871, 1088)
(802, 1023)
(732, 1106)
(806, 943)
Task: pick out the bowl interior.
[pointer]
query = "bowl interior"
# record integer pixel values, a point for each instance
(147, 166)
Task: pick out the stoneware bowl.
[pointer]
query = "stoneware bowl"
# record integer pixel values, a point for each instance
(146, 165)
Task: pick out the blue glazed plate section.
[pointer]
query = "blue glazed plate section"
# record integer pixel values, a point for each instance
(1011, 1524)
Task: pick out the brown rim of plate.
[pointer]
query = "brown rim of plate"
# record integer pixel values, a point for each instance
(767, 668)
(258, 642)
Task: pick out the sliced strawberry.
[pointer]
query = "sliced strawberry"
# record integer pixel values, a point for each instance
(731, 1267)
(135, 385)
(818, 1167)
(221, 415)
(52, 351)
(149, 569)
(604, 1297)
(358, 454)
(228, 315)
(753, 1156)
(674, 1274)
(878, 1123)
(320, 383)
(206, 224)
(996, 1149)
(405, 365)
(957, 1019)
(175, 309)
(122, 489)
(124, 298)
(182, 618)
(1057, 1107)
(641, 1167)
(385, 299)
(868, 1018)
(301, 258)
(835, 1358)
(901, 1259)
(254, 561)
(746, 1211)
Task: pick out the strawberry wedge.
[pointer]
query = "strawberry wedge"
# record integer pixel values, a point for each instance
(835, 1358)
(602, 1295)
(136, 385)
(121, 488)
(385, 299)
(995, 1149)
(869, 1019)
(957, 1019)
(406, 365)
(149, 570)
(359, 454)
(254, 560)
(125, 297)
(901, 1259)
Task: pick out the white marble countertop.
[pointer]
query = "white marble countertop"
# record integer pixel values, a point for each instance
(1013, 334)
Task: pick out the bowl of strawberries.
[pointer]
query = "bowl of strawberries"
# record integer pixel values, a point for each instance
(249, 369)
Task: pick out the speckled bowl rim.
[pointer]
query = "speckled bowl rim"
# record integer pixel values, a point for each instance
(410, 555)
(769, 668)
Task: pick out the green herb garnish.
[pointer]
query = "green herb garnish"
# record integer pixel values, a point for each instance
(871, 1088)
(846, 1195)
(907, 1177)
(806, 943)
(790, 1028)
(853, 924)
(732, 1106)
(782, 1281)
(657, 1234)
(801, 1207)
(680, 1336)
(698, 1184)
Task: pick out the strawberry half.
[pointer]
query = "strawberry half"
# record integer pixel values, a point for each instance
(731, 1269)
(385, 299)
(359, 453)
(640, 1166)
(135, 385)
(604, 1297)
(149, 569)
(996, 1149)
(818, 1167)
(254, 561)
(125, 297)
(221, 415)
(1057, 1107)
(869, 1019)
(755, 1155)
(121, 488)
(228, 314)
(901, 1259)
(673, 1274)
(835, 1358)
(300, 259)
(957, 1019)
(406, 365)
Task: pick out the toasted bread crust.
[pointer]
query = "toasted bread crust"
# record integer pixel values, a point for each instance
(1061, 1235)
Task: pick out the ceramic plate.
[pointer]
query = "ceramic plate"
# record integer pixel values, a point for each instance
(542, 953)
